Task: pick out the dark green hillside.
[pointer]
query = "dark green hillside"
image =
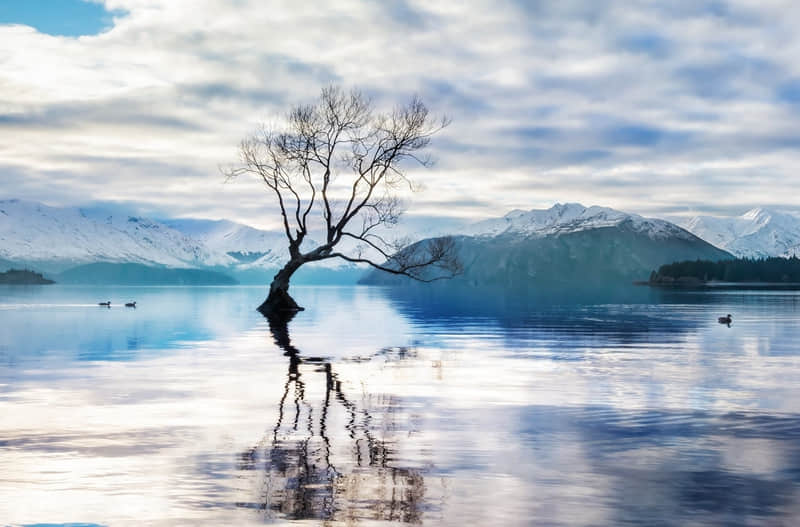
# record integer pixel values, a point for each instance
(769, 270)
(23, 277)
(601, 257)
(138, 274)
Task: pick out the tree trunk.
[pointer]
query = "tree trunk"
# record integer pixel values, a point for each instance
(279, 302)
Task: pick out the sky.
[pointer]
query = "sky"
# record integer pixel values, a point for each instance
(666, 109)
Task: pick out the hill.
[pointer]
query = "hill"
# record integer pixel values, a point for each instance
(104, 273)
(774, 270)
(566, 247)
(23, 277)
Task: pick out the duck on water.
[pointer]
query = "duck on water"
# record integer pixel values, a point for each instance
(107, 303)
(725, 320)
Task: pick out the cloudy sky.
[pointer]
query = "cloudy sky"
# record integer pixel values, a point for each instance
(661, 108)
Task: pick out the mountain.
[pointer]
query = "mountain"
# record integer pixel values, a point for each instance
(258, 254)
(758, 233)
(102, 273)
(566, 246)
(570, 217)
(568, 243)
(243, 243)
(55, 239)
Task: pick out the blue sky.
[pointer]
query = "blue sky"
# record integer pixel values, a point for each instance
(670, 108)
(57, 17)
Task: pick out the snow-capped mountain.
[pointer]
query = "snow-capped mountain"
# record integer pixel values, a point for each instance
(54, 240)
(243, 243)
(252, 249)
(757, 233)
(61, 237)
(572, 217)
(570, 247)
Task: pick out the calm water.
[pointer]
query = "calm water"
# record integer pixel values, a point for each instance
(375, 409)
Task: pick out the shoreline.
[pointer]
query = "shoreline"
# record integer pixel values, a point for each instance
(716, 285)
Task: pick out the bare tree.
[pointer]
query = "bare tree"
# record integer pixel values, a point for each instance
(341, 164)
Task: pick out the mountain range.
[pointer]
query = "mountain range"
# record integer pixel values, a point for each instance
(547, 244)
(56, 240)
(758, 233)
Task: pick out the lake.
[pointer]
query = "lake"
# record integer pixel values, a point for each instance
(377, 407)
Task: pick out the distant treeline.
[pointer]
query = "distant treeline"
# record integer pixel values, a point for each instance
(772, 269)
(22, 277)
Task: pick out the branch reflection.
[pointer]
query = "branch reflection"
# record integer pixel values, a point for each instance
(330, 455)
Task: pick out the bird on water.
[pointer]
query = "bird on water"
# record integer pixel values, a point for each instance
(105, 304)
(131, 304)
(725, 320)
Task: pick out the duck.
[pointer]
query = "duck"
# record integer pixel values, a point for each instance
(131, 304)
(725, 320)
(105, 304)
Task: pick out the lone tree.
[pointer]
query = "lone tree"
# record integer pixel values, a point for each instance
(336, 169)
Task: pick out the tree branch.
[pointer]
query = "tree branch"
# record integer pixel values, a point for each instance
(306, 160)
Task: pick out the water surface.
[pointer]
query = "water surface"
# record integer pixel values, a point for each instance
(374, 408)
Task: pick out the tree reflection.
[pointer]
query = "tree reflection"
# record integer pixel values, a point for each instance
(340, 469)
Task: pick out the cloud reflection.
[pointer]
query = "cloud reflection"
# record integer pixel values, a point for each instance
(368, 409)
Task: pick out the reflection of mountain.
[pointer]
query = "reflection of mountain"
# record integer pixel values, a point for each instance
(617, 316)
(329, 456)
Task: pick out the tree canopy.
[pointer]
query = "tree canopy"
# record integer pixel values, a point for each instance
(336, 169)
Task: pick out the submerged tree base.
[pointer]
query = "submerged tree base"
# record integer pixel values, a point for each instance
(279, 303)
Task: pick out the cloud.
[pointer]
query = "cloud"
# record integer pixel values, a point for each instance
(135, 113)
(640, 106)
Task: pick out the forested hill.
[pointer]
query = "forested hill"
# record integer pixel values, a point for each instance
(773, 269)
(22, 277)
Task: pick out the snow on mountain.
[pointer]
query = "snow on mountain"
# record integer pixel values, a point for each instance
(569, 247)
(55, 239)
(247, 245)
(252, 248)
(571, 217)
(757, 233)
(32, 232)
